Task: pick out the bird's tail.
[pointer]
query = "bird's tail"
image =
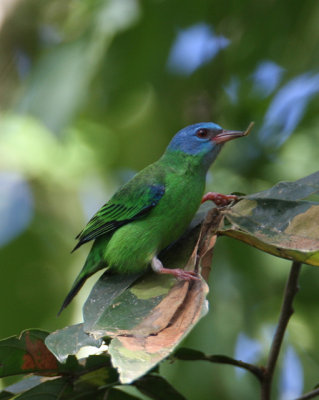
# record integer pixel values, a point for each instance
(92, 264)
(75, 289)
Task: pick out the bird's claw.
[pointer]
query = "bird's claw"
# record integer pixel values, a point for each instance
(219, 199)
(186, 275)
(181, 274)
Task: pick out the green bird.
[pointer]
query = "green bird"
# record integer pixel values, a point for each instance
(154, 208)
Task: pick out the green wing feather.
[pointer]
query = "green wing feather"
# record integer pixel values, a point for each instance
(132, 201)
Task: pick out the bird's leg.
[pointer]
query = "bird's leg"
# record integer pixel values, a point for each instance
(219, 199)
(157, 267)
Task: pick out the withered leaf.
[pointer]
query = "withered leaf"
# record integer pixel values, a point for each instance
(25, 354)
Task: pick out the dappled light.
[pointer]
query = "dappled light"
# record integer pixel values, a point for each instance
(16, 206)
(194, 47)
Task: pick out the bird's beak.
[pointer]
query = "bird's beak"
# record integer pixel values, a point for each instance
(225, 136)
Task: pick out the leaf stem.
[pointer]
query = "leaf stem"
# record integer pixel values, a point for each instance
(285, 314)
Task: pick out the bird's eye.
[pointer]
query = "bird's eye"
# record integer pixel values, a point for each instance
(202, 133)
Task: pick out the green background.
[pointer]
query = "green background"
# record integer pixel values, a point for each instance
(90, 94)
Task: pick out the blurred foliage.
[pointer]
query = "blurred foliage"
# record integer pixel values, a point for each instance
(88, 96)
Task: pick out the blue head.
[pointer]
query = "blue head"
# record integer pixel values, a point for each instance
(203, 141)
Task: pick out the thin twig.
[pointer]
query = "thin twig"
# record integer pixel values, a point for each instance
(254, 369)
(309, 395)
(285, 314)
(194, 355)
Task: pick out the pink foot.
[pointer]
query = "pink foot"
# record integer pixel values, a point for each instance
(157, 267)
(219, 199)
(180, 274)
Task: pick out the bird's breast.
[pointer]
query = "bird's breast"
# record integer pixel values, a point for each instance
(132, 246)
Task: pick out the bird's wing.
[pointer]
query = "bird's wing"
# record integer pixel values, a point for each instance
(128, 204)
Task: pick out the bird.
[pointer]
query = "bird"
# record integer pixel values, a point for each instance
(154, 208)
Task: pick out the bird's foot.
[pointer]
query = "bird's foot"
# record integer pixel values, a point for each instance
(219, 199)
(181, 274)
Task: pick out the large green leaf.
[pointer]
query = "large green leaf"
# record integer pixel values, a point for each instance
(278, 221)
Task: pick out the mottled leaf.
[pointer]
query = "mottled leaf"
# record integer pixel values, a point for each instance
(104, 296)
(25, 354)
(157, 388)
(128, 309)
(297, 190)
(69, 341)
(135, 354)
(285, 228)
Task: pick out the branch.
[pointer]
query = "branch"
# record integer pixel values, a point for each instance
(285, 314)
(254, 369)
(194, 355)
(309, 395)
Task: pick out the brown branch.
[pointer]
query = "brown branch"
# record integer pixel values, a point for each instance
(194, 355)
(285, 314)
(309, 395)
(254, 369)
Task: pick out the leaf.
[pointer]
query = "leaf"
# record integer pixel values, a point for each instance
(103, 296)
(99, 373)
(157, 388)
(25, 354)
(25, 384)
(150, 318)
(297, 190)
(56, 389)
(135, 354)
(4, 395)
(69, 341)
(115, 394)
(97, 378)
(287, 229)
(72, 389)
(277, 221)
(184, 353)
